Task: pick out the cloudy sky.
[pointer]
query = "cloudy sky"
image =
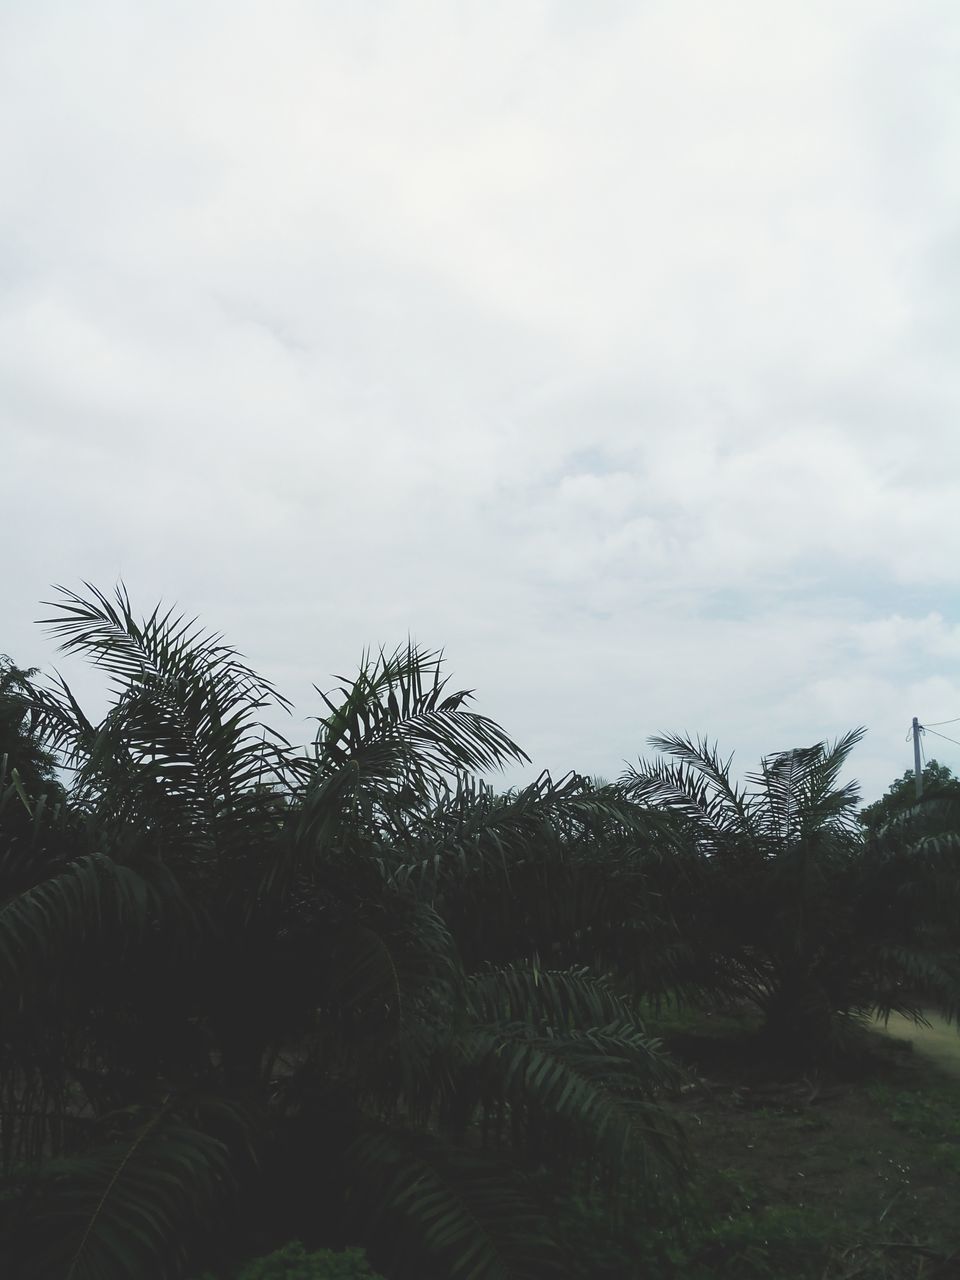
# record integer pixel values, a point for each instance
(612, 347)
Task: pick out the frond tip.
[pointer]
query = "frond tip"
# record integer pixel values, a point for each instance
(397, 719)
(128, 1207)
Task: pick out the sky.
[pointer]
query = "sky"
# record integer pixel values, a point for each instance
(611, 348)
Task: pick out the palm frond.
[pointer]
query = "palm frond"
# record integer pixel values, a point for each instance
(561, 999)
(731, 808)
(183, 745)
(93, 894)
(61, 722)
(825, 795)
(130, 1205)
(396, 720)
(801, 791)
(162, 644)
(596, 1082)
(386, 953)
(682, 790)
(463, 1214)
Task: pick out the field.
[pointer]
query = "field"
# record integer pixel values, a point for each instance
(348, 994)
(831, 1176)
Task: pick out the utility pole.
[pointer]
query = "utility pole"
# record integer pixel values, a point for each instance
(917, 771)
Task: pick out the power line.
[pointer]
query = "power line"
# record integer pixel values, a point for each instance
(943, 735)
(956, 720)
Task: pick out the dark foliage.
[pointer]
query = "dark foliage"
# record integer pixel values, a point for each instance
(252, 992)
(238, 973)
(786, 905)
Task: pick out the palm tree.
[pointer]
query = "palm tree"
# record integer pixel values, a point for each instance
(776, 885)
(28, 783)
(20, 748)
(238, 985)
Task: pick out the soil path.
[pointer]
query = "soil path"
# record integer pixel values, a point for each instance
(940, 1042)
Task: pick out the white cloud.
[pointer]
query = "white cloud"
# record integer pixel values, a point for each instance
(611, 348)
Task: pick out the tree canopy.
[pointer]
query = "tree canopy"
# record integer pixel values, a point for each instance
(938, 783)
(255, 969)
(21, 748)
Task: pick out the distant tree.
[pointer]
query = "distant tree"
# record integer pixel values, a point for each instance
(939, 783)
(20, 744)
(27, 770)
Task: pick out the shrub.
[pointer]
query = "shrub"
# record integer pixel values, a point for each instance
(292, 1262)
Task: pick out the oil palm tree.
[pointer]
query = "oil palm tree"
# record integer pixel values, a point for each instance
(20, 748)
(226, 989)
(28, 784)
(775, 885)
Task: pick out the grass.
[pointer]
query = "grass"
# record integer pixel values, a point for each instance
(938, 1040)
(825, 1176)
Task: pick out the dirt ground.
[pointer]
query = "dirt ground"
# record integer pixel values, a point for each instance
(940, 1041)
(826, 1176)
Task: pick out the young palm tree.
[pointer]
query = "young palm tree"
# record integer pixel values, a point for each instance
(775, 882)
(237, 964)
(20, 748)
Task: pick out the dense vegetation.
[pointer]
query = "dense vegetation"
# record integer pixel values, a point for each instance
(349, 995)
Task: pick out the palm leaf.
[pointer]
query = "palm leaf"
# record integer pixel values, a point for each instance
(801, 792)
(182, 751)
(730, 808)
(128, 1207)
(90, 897)
(559, 998)
(596, 1082)
(396, 722)
(468, 1216)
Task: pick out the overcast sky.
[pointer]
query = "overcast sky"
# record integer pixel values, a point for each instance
(610, 346)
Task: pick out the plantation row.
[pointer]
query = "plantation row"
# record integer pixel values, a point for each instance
(352, 996)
